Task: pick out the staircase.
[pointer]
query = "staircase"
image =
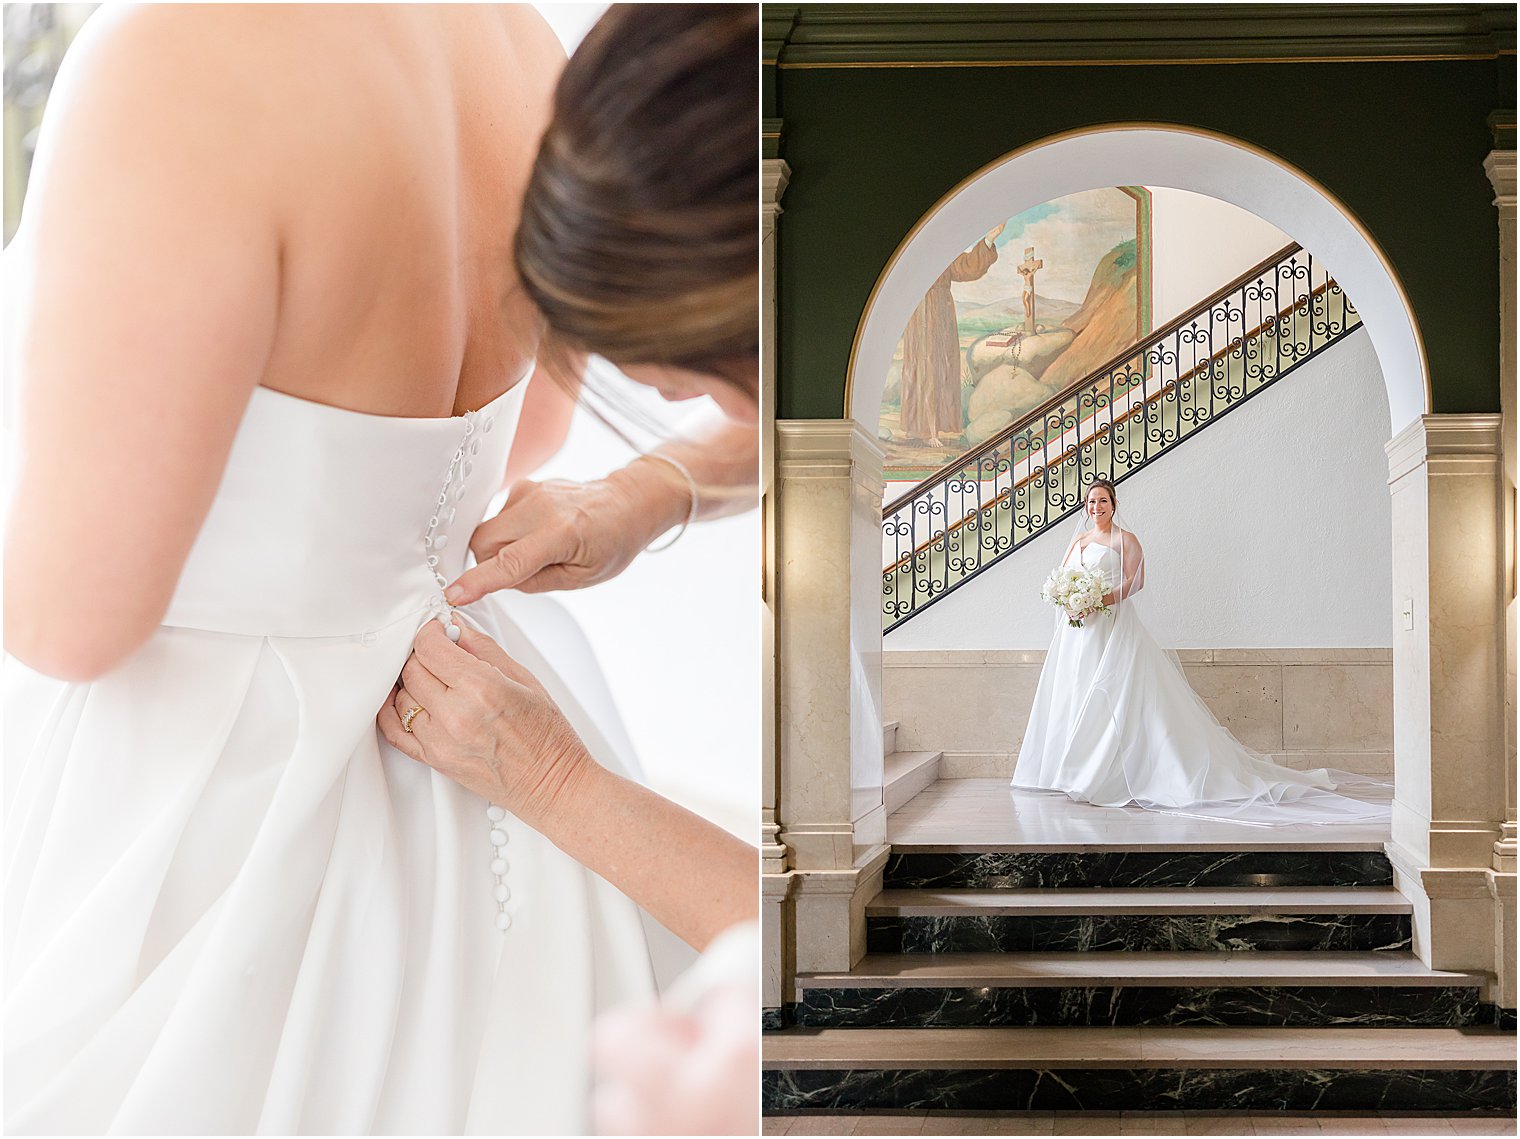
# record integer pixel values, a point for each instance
(1253, 972)
(978, 509)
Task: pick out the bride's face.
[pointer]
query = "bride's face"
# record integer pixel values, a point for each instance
(1100, 507)
(676, 384)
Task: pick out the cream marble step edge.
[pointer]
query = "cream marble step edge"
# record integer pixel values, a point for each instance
(889, 737)
(1138, 969)
(906, 773)
(1140, 900)
(1457, 1049)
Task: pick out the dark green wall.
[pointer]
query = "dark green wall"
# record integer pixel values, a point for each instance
(1401, 144)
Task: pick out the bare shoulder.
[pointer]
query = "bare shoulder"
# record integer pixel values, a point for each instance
(199, 58)
(149, 92)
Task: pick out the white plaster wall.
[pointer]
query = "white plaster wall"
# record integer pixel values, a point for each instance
(1199, 243)
(1270, 529)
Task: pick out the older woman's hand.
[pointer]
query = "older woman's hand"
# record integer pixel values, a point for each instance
(569, 535)
(485, 722)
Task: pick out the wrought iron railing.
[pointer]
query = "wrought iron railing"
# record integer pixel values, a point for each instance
(978, 509)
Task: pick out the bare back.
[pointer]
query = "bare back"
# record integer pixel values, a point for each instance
(316, 199)
(400, 203)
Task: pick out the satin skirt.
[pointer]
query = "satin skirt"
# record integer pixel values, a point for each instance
(1115, 723)
(232, 908)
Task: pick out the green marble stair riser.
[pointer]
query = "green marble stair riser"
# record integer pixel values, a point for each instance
(1094, 1006)
(1120, 932)
(1142, 1089)
(1004, 523)
(1018, 871)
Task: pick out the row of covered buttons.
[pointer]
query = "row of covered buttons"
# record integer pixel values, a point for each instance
(460, 469)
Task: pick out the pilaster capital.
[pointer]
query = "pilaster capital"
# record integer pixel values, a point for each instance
(1444, 438)
(1500, 168)
(774, 176)
(827, 448)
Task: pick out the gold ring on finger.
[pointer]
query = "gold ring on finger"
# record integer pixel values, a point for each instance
(408, 716)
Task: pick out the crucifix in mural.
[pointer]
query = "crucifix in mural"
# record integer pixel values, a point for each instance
(995, 336)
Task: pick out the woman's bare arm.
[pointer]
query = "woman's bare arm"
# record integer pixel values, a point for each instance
(147, 275)
(490, 726)
(1132, 558)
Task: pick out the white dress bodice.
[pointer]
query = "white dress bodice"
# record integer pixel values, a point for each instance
(325, 519)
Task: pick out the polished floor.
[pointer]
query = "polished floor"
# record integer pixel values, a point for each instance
(988, 815)
(1134, 1123)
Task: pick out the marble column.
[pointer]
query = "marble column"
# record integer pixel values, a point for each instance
(1500, 167)
(1445, 474)
(828, 682)
(776, 874)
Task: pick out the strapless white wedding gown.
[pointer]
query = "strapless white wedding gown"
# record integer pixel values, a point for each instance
(231, 907)
(1115, 723)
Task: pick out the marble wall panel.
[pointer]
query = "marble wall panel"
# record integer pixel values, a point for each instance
(1304, 707)
(1337, 707)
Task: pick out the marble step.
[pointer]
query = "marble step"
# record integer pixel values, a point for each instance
(907, 773)
(1139, 1068)
(889, 737)
(983, 816)
(920, 970)
(1078, 869)
(1143, 919)
(1139, 901)
(974, 990)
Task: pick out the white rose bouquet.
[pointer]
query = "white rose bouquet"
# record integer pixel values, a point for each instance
(1076, 591)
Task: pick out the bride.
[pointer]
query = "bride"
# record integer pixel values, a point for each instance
(1115, 722)
(273, 364)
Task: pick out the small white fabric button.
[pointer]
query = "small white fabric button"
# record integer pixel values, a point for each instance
(501, 892)
(495, 814)
(440, 542)
(453, 632)
(498, 838)
(498, 866)
(503, 920)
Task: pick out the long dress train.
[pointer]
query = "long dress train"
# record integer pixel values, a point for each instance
(1115, 723)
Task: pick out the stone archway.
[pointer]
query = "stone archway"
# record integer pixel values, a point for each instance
(1453, 831)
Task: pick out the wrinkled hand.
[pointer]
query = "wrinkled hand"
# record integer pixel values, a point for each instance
(486, 723)
(552, 535)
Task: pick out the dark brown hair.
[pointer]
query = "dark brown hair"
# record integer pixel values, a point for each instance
(1113, 495)
(639, 237)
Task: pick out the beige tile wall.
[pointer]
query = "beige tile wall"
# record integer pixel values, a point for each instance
(1303, 707)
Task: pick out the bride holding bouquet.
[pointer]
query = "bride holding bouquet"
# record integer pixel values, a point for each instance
(1115, 722)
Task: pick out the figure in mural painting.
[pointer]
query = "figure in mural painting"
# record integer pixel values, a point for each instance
(931, 375)
(1027, 269)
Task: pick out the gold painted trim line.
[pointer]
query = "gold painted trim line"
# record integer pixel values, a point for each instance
(1189, 62)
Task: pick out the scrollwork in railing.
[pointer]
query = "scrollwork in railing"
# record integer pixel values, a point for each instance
(981, 507)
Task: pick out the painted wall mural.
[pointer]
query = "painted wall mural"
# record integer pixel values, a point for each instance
(1032, 306)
